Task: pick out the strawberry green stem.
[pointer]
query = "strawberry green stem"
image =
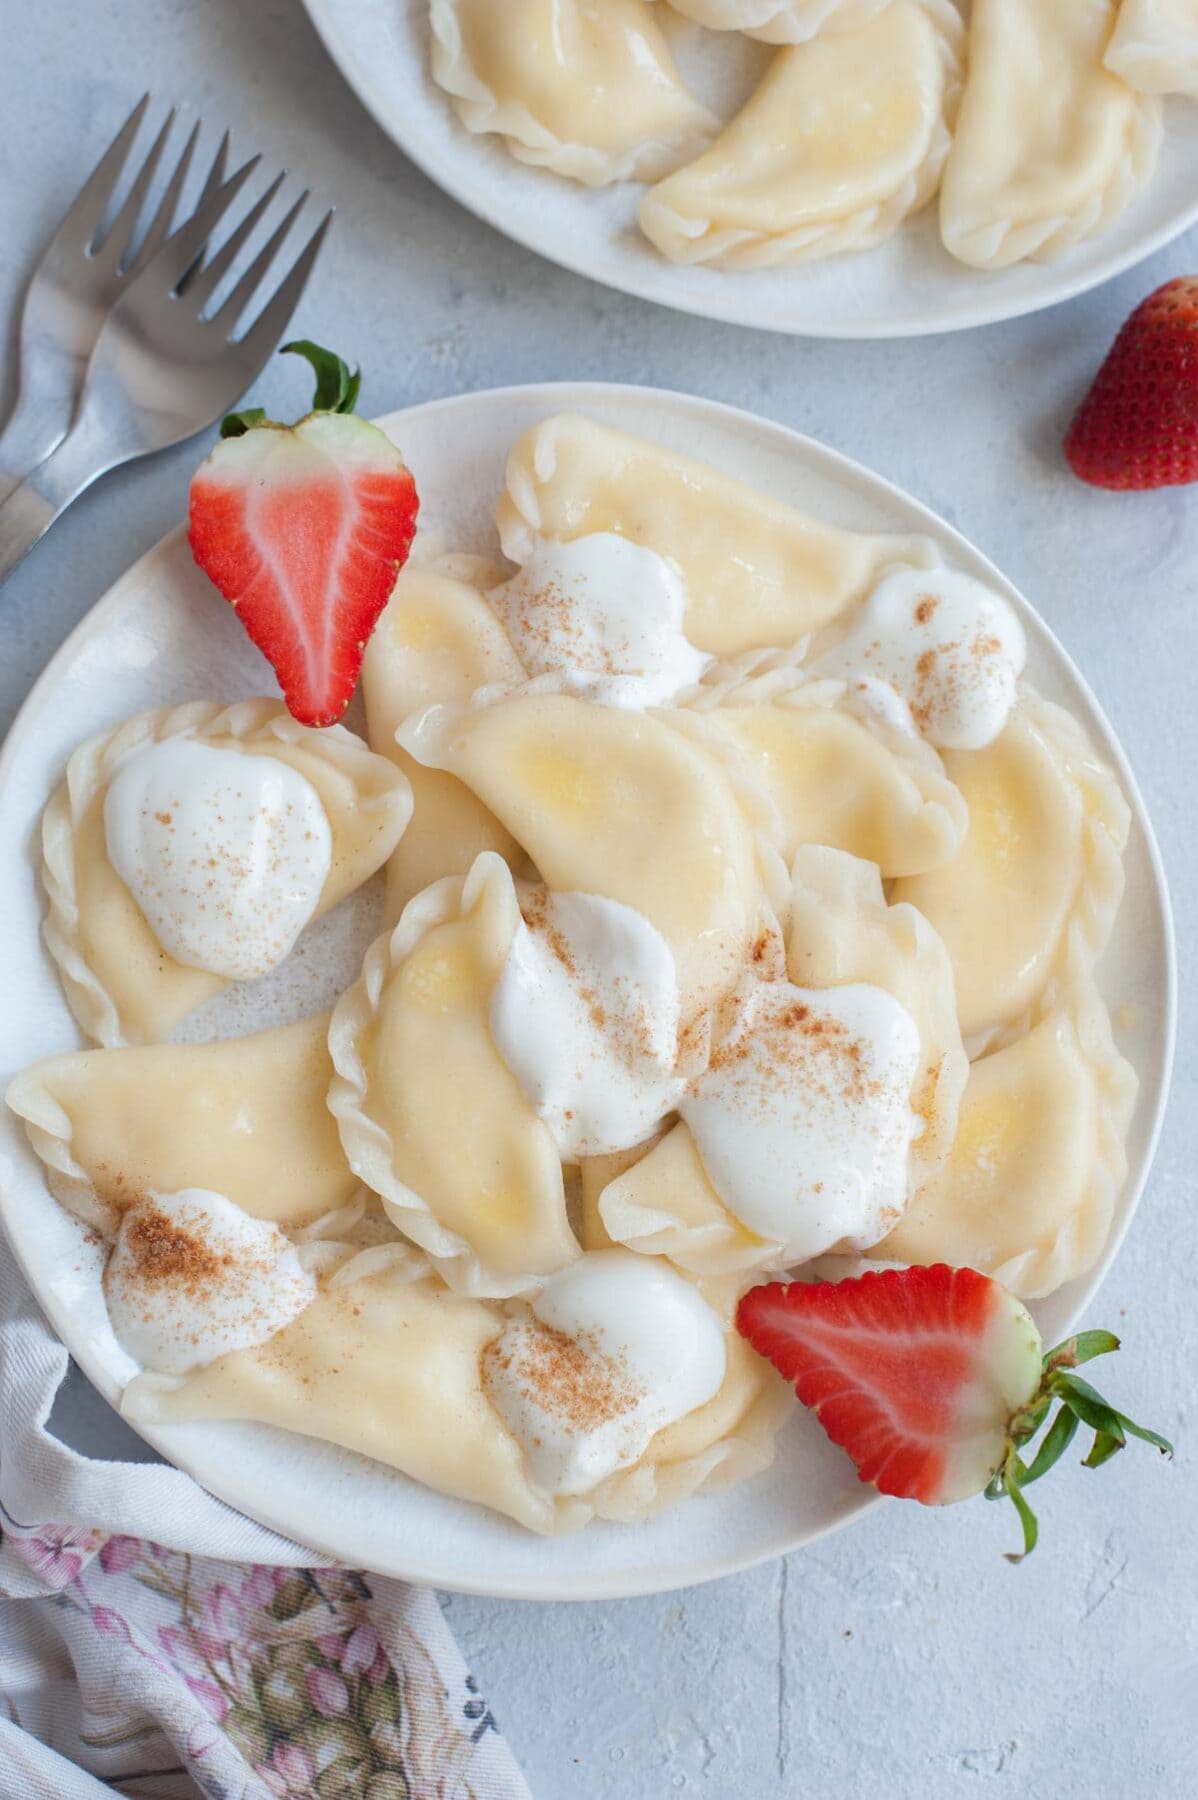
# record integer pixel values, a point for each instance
(337, 388)
(1077, 1404)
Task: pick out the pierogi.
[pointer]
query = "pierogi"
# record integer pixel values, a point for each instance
(747, 918)
(222, 902)
(1050, 146)
(588, 91)
(1037, 122)
(843, 140)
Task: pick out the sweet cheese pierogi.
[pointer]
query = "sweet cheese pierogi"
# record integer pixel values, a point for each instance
(743, 908)
(1036, 123)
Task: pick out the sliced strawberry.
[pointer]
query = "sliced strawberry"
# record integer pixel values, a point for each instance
(304, 528)
(932, 1379)
(1138, 425)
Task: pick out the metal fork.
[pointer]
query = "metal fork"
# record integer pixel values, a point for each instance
(160, 371)
(76, 285)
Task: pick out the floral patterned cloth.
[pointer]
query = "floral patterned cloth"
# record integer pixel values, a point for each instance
(156, 1660)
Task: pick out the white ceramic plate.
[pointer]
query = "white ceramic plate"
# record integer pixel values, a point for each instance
(904, 288)
(163, 634)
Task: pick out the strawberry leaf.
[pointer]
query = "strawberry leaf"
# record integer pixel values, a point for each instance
(1056, 1441)
(1081, 1348)
(1102, 1449)
(337, 387)
(1014, 1474)
(238, 423)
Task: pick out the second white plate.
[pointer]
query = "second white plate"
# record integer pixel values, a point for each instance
(905, 288)
(163, 634)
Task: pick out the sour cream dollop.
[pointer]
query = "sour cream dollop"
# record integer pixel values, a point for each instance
(947, 648)
(803, 1117)
(226, 854)
(604, 612)
(615, 1348)
(585, 1015)
(191, 1276)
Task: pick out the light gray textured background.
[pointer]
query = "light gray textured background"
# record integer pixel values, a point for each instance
(904, 1658)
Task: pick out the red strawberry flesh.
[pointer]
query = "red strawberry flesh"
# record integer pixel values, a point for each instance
(304, 529)
(915, 1372)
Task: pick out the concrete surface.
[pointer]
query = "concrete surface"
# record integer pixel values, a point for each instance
(905, 1658)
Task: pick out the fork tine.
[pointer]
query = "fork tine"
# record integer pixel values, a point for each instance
(160, 224)
(201, 284)
(119, 236)
(243, 293)
(182, 250)
(272, 321)
(217, 173)
(87, 211)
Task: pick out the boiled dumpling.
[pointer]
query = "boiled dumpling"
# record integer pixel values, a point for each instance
(841, 930)
(438, 640)
(614, 803)
(588, 91)
(1155, 46)
(665, 1205)
(844, 139)
(1050, 147)
(831, 776)
(780, 21)
(411, 1042)
(1028, 1192)
(246, 1118)
(189, 847)
(841, 936)
(394, 1370)
(1033, 891)
(388, 1368)
(758, 572)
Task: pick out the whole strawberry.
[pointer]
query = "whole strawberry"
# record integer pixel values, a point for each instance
(1138, 425)
(935, 1382)
(304, 528)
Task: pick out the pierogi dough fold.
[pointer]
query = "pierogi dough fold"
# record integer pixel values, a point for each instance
(781, 21)
(438, 640)
(1031, 895)
(245, 1118)
(1028, 1192)
(610, 802)
(844, 139)
(588, 91)
(412, 1046)
(1050, 146)
(1155, 46)
(758, 572)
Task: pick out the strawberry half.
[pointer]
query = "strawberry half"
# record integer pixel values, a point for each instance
(933, 1380)
(1138, 425)
(304, 529)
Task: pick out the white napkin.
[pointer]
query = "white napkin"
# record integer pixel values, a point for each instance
(147, 1629)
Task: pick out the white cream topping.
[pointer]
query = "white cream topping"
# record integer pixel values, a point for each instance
(226, 854)
(605, 613)
(617, 1346)
(803, 1117)
(191, 1276)
(585, 1015)
(946, 647)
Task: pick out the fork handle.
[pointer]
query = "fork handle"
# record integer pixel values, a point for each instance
(31, 432)
(34, 504)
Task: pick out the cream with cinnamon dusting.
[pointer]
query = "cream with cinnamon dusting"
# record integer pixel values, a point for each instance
(614, 1348)
(191, 1276)
(803, 1117)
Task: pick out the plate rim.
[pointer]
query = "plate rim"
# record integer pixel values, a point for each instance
(571, 395)
(372, 96)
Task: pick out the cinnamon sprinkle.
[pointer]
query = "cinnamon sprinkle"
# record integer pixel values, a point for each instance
(570, 1378)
